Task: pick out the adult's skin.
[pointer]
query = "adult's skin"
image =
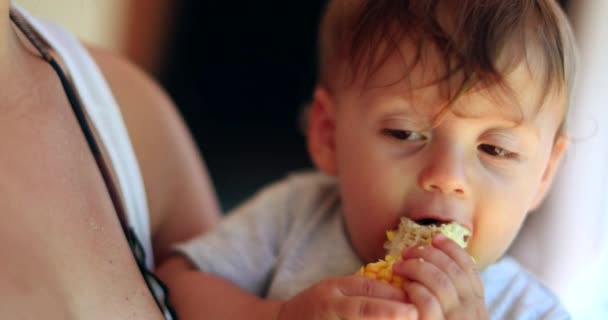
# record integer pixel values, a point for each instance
(63, 252)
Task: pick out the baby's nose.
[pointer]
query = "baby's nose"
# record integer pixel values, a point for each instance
(449, 187)
(445, 175)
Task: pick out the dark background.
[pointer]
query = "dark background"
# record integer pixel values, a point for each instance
(240, 72)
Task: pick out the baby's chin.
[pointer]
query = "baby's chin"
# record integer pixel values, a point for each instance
(370, 251)
(483, 259)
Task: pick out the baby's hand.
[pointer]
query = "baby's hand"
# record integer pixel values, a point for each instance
(351, 297)
(442, 281)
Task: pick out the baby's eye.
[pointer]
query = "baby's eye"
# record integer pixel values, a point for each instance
(403, 134)
(497, 152)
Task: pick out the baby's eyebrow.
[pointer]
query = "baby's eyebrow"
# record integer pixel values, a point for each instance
(509, 110)
(523, 129)
(415, 121)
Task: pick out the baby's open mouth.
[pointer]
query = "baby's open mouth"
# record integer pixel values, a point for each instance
(429, 222)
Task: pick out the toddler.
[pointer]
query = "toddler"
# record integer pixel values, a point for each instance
(440, 111)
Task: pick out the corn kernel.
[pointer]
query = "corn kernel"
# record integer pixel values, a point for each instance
(385, 274)
(382, 270)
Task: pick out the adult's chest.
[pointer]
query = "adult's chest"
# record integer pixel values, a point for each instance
(60, 240)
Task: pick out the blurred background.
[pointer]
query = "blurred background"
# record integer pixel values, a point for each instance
(239, 72)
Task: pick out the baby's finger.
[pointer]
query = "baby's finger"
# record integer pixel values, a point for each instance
(365, 287)
(426, 303)
(463, 259)
(430, 275)
(365, 308)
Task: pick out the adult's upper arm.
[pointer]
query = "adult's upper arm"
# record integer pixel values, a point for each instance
(181, 199)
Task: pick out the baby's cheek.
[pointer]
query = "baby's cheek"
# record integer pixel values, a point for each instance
(489, 244)
(375, 239)
(367, 237)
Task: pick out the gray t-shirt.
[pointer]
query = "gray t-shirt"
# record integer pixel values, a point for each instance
(291, 235)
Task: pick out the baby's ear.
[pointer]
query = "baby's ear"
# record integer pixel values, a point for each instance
(321, 132)
(557, 154)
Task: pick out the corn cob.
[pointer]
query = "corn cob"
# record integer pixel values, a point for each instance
(409, 234)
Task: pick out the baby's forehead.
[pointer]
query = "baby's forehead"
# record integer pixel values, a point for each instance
(523, 105)
(520, 95)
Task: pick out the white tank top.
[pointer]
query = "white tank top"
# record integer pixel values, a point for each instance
(105, 119)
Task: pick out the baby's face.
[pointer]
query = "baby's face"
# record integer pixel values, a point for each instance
(482, 166)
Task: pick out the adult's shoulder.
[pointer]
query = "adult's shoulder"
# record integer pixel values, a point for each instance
(180, 198)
